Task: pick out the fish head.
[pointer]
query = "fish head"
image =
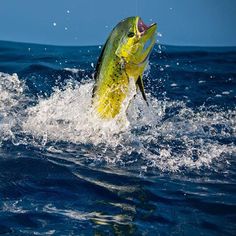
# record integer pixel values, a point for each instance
(136, 41)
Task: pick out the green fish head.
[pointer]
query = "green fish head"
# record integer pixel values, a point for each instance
(136, 41)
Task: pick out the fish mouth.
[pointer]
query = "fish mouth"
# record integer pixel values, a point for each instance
(142, 27)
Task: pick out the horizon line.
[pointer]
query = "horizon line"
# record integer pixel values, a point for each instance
(97, 45)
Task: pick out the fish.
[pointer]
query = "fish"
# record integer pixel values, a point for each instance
(123, 59)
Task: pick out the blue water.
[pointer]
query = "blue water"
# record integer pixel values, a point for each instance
(168, 169)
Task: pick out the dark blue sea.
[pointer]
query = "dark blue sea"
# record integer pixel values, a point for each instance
(164, 169)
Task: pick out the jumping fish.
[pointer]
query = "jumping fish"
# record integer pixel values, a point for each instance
(123, 58)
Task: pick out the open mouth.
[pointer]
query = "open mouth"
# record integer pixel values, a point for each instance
(142, 27)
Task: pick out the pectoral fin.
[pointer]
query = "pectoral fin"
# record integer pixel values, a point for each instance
(139, 83)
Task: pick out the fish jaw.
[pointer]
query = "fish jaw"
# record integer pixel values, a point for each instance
(146, 42)
(144, 30)
(136, 49)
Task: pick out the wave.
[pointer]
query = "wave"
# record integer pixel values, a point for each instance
(168, 135)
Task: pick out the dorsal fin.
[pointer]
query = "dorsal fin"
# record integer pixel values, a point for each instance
(99, 62)
(98, 66)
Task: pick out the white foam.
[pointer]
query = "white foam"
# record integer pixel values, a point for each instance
(201, 81)
(146, 135)
(11, 99)
(226, 92)
(73, 70)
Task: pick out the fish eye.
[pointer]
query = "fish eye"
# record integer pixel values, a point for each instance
(131, 34)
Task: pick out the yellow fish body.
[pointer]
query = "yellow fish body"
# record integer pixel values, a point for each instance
(124, 57)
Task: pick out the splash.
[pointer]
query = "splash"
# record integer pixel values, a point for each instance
(69, 116)
(167, 135)
(11, 100)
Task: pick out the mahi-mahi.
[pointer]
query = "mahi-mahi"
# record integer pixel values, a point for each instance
(123, 58)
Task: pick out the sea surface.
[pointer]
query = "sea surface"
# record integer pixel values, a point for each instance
(164, 169)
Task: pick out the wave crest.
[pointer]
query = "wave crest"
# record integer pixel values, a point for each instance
(168, 135)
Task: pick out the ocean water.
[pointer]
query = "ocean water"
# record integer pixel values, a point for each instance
(164, 169)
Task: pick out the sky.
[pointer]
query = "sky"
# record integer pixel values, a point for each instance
(89, 22)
